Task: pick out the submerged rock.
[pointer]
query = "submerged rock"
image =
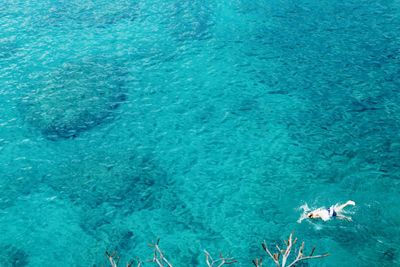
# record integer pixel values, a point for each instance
(74, 98)
(107, 187)
(11, 256)
(124, 180)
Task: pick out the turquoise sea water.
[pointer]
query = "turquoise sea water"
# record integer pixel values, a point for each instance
(204, 123)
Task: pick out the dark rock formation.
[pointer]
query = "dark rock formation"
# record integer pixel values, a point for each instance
(11, 256)
(109, 187)
(124, 180)
(74, 98)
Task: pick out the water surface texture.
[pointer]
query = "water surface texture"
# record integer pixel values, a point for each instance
(204, 123)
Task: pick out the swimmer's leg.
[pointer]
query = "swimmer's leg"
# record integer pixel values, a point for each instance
(341, 207)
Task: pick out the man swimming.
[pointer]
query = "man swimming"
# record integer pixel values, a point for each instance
(335, 211)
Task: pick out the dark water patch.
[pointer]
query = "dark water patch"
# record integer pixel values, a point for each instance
(11, 256)
(121, 196)
(18, 182)
(8, 47)
(116, 236)
(206, 114)
(12, 187)
(74, 98)
(127, 238)
(390, 255)
(76, 15)
(190, 20)
(278, 92)
(249, 104)
(368, 104)
(128, 181)
(107, 188)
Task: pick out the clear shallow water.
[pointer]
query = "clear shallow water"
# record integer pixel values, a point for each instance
(206, 124)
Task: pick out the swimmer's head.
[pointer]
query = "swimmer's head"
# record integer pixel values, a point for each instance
(313, 215)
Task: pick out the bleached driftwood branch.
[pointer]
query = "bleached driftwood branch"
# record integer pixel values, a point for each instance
(257, 262)
(219, 262)
(280, 257)
(160, 260)
(158, 256)
(114, 260)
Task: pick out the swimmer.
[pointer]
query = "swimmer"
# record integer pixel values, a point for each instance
(335, 211)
